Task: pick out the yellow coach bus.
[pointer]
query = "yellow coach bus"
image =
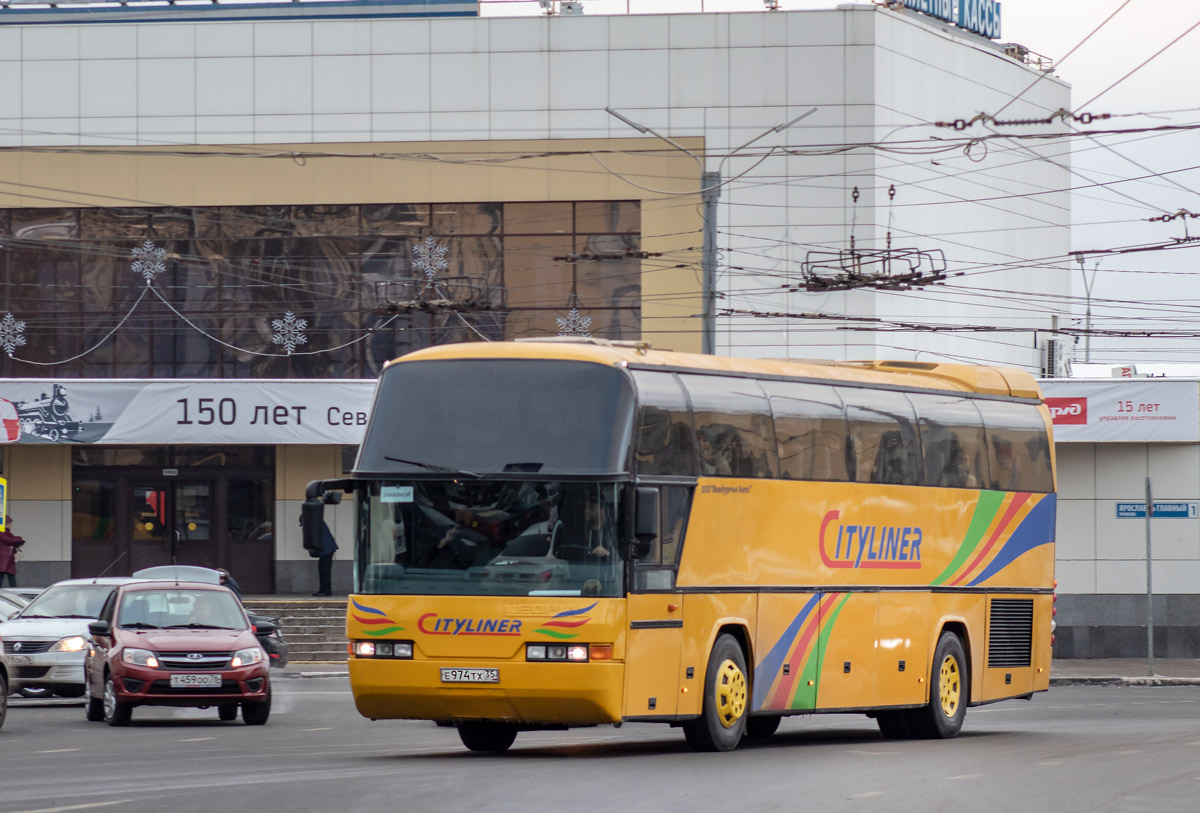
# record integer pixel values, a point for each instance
(570, 533)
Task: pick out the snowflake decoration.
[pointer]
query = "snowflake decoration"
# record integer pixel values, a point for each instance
(148, 260)
(574, 324)
(12, 334)
(431, 257)
(289, 332)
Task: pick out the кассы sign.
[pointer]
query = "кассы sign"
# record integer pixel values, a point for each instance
(979, 16)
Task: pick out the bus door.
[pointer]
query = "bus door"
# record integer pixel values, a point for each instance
(655, 638)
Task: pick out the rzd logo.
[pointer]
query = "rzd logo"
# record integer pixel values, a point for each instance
(1068, 410)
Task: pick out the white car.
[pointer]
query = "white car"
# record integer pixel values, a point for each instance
(43, 646)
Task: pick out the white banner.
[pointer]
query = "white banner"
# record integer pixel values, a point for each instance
(1124, 411)
(206, 412)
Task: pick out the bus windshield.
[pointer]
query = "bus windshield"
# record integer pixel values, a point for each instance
(489, 537)
(499, 415)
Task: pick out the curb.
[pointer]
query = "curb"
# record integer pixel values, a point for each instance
(1113, 680)
(300, 675)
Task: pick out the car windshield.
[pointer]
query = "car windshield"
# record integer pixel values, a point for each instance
(180, 608)
(69, 601)
(490, 537)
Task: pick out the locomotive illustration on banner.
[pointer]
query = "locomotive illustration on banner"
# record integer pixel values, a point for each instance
(48, 416)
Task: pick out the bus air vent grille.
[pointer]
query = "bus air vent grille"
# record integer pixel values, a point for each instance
(1010, 633)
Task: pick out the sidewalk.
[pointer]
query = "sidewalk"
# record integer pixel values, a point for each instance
(1073, 672)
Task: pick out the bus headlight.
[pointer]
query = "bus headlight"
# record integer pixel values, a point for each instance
(384, 649)
(579, 653)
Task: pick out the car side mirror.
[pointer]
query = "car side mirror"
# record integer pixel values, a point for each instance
(646, 521)
(98, 628)
(263, 627)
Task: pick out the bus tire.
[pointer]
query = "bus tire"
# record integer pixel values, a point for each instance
(722, 722)
(948, 692)
(759, 728)
(487, 736)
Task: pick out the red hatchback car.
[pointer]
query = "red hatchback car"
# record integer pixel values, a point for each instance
(160, 643)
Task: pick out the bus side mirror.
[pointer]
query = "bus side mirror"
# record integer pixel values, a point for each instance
(646, 521)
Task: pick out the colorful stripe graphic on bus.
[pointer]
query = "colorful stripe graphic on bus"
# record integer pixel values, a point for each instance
(800, 648)
(1003, 527)
(374, 622)
(561, 624)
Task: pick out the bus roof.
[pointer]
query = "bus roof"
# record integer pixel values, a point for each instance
(1004, 381)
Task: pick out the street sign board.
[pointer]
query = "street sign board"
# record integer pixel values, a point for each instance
(1162, 510)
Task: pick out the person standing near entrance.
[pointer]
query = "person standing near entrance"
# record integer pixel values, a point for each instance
(325, 562)
(9, 544)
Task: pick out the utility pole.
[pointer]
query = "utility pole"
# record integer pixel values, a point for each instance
(710, 183)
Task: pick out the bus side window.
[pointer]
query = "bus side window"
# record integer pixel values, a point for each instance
(1019, 447)
(734, 432)
(656, 570)
(664, 443)
(952, 439)
(810, 431)
(883, 429)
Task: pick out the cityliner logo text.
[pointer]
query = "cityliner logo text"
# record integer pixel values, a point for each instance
(431, 624)
(886, 547)
(1068, 411)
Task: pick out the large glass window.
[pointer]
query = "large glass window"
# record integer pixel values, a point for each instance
(883, 432)
(734, 435)
(369, 282)
(810, 431)
(953, 441)
(500, 415)
(1019, 447)
(488, 537)
(665, 439)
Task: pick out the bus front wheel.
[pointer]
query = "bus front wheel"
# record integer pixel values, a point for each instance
(486, 736)
(948, 694)
(726, 692)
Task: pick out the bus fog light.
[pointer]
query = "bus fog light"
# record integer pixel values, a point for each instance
(535, 652)
(383, 649)
(577, 653)
(556, 653)
(364, 649)
(403, 649)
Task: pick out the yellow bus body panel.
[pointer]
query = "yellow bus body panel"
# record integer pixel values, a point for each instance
(488, 632)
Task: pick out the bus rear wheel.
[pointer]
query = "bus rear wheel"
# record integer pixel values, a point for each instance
(722, 722)
(487, 736)
(948, 693)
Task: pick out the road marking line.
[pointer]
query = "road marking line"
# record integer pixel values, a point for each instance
(872, 753)
(1052, 763)
(317, 729)
(76, 807)
(58, 751)
(966, 776)
(1134, 751)
(197, 739)
(869, 794)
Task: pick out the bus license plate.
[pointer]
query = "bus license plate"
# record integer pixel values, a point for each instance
(470, 676)
(203, 681)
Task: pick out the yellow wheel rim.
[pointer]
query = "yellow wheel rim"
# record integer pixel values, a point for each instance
(950, 686)
(731, 693)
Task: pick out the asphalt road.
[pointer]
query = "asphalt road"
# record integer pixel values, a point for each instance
(1074, 748)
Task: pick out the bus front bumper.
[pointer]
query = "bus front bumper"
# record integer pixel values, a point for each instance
(527, 693)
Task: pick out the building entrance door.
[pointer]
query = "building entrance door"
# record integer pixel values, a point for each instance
(172, 524)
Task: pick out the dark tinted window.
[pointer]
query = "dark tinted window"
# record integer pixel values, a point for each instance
(884, 436)
(665, 442)
(952, 440)
(810, 431)
(734, 435)
(500, 415)
(1018, 446)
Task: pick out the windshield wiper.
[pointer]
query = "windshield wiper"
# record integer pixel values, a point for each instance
(139, 625)
(432, 467)
(194, 626)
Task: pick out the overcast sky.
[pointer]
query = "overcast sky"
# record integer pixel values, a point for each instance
(1157, 290)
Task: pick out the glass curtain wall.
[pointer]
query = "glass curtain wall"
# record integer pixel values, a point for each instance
(361, 284)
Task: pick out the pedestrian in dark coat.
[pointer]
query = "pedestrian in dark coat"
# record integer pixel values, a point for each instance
(325, 562)
(9, 543)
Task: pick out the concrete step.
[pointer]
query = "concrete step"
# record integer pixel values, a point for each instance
(315, 629)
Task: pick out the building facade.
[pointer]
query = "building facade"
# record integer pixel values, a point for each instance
(246, 202)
